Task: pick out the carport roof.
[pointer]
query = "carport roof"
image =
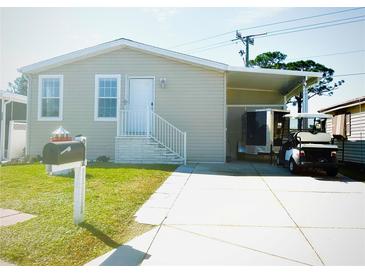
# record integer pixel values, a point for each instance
(270, 80)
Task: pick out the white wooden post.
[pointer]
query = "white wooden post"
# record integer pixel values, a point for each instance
(79, 187)
(79, 194)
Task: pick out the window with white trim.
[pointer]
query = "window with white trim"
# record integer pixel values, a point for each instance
(50, 97)
(107, 89)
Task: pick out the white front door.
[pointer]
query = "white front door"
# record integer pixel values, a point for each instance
(141, 100)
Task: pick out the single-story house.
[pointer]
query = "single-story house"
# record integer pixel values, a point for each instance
(348, 127)
(139, 103)
(13, 110)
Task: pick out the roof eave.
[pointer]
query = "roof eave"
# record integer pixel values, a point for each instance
(69, 57)
(14, 97)
(109, 46)
(352, 103)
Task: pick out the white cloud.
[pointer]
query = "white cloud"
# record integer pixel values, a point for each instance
(161, 14)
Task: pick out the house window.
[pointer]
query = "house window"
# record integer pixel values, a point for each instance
(50, 97)
(107, 89)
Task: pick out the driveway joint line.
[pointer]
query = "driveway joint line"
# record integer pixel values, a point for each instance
(267, 226)
(164, 219)
(287, 212)
(238, 226)
(153, 239)
(320, 192)
(237, 245)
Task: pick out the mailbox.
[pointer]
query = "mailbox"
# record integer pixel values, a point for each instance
(62, 154)
(58, 153)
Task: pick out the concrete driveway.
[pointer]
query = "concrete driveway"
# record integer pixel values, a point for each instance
(252, 214)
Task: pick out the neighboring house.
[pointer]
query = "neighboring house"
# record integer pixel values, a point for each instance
(13, 109)
(139, 103)
(348, 126)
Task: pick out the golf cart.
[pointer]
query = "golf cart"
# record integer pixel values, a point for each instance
(307, 146)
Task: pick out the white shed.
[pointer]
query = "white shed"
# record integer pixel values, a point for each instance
(13, 125)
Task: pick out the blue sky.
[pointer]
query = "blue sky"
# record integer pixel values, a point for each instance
(28, 35)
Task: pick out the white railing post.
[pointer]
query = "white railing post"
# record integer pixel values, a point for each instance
(147, 122)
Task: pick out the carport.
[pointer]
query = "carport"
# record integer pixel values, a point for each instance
(251, 89)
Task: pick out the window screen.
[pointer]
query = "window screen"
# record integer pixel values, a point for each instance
(50, 97)
(107, 98)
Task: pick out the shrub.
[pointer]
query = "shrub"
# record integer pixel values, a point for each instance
(103, 159)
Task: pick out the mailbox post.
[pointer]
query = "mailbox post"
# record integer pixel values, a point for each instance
(63, 155)
(79, 186)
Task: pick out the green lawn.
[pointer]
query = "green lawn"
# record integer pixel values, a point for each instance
(113, 194)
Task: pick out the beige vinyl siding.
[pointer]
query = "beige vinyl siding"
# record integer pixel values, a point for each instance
(250, 97)
(193, 101)
(352, 149)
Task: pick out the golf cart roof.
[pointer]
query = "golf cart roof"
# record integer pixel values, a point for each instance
(308, 115)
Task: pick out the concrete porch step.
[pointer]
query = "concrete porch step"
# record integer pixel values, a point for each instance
(143, 150)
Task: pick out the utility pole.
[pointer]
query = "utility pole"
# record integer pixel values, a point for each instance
(246, 41)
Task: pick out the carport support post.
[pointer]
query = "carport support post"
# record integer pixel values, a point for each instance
(305, 102)
(79, 194)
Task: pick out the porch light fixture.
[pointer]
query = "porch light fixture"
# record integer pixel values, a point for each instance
(162, 82)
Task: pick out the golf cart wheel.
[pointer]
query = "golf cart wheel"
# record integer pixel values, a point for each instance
(332, 172)
(293, 167)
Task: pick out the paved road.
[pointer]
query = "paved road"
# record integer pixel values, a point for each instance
(251, 214)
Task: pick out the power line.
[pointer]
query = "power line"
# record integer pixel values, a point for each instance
(297, 29)
(281, 30)
(266, 25)
(317, 24)
(349, 74)
(223, 43)
(312, 28)
(330, 54)
(230, 43)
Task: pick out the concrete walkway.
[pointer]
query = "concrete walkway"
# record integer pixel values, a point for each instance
(11, 217)
(250, 214)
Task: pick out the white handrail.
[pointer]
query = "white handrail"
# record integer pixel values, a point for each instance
(147, 123)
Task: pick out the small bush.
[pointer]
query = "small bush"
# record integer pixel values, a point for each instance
(36, 159)
(32, 159)
(103, 159)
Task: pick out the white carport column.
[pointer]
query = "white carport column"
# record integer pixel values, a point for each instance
(305, 96)
(305, 102)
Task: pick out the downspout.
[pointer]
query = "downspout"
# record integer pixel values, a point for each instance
(28, 78)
